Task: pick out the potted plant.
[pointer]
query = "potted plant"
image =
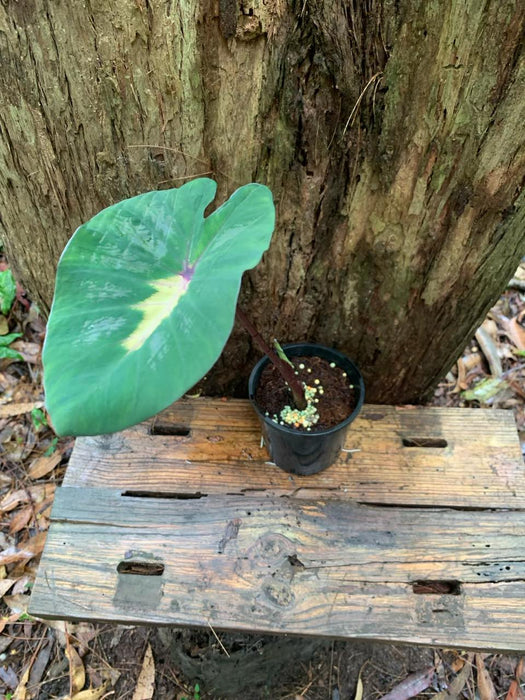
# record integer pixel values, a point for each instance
(145, 300)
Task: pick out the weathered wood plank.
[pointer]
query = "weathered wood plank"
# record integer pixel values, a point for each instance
(481, 465)
(243, 545)
(323, 567)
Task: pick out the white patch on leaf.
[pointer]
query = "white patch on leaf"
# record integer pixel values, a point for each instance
(156, 308)
(94, 331)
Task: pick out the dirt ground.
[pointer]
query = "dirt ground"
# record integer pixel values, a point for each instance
(88, 662)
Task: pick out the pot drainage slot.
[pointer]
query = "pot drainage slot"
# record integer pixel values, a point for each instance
(141, 568)
(424, 442)
(436, 587)
(156, 494)
(169, 429)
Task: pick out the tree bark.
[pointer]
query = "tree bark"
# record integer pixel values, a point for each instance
(390, 131)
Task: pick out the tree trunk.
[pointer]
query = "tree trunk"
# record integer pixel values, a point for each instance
(391, 134)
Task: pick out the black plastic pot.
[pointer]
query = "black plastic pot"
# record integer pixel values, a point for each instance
(299, 452)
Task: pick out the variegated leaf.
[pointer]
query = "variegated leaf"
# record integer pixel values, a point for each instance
(145, 301)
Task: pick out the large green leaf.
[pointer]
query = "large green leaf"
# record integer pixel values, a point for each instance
(145, 301)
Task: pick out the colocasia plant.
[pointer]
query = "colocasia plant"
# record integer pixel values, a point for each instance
(145, 300)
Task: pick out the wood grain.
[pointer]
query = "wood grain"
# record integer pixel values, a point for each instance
(396, 542)
(273, 564)
(480, 467)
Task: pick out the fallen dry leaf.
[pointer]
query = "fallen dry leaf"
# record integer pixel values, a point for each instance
(24, 550)
(485, 684)
(359, 688)
(35, 544)
(21, 584)
(44, 509)
(520, 272)
(35, 493)
(491, 327)
(461, 385)
(8, 676)
(517, 387)
(5, 585)
(40, 665)
(507, 351)
(30, 351)
(110, 674)
(20, 520)
(16, 409)
(83, 633)
(412, 685)
(77, 673)
(490, 349)
(146, 681)
(22, 568)
(60, 628)
(43, 465)
(8, 620)
(465, 365)
(13, 554)
(21, 690)
(457, 685)
(91, 693)
(515, 691)
(516, 332)
(44, 516)
(440, 680)
(5, 480)
(17, 603)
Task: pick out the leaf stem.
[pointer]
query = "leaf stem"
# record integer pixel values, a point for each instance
(285, 370)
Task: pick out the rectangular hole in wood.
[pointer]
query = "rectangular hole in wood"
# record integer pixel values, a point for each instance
(424, 442)
(436, 587)
(179, 496)
(170, 429)
(141, 568)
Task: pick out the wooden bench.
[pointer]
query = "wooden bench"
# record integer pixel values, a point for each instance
(416, 535)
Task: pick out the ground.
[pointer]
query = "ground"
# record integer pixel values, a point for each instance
(87, 662)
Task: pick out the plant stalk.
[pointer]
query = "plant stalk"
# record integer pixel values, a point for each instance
(284, 369)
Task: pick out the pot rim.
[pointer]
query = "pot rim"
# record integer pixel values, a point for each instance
(291, 431)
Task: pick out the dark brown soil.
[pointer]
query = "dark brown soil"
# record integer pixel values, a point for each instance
(335, 404)
(246, 666)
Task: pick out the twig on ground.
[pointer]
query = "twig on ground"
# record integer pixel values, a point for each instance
(217, 638)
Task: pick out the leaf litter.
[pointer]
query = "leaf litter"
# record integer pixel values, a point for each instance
(49, 659)
(145, 687)
(485, 685)
(412, 685)
(491, 370)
